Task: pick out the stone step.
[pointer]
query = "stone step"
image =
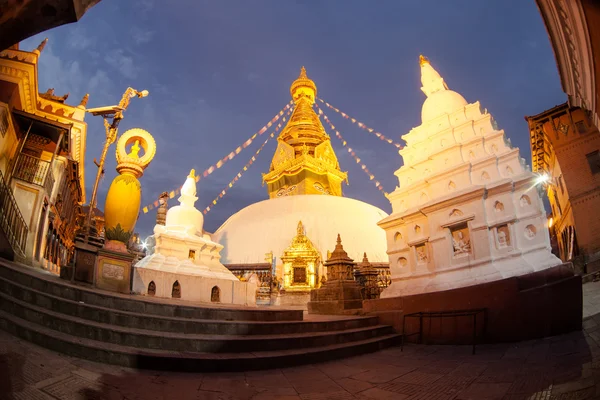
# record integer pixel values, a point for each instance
(174, 324)
(184, 361)
(26, 277)
(146, 339)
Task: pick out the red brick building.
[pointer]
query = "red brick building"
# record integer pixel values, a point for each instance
(565, 145)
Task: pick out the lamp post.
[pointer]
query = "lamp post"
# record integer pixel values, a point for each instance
(116, 114)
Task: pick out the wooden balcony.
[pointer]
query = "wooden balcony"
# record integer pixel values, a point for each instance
(36, 171)
(12, 222)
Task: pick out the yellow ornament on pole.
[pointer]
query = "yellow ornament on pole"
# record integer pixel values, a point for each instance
(124, 196)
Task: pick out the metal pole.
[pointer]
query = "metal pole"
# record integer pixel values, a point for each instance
(109, 140)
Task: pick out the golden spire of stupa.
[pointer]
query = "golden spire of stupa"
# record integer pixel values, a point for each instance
(423, 60)
(303, 147)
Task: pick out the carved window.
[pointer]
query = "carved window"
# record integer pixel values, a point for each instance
(192, 254)
(3, 121)
(593, 160)
(581, 128)
(397, 237)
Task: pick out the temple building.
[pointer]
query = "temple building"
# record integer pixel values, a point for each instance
(565, 147)
(42, 148)
(467, 210)
(291, 233)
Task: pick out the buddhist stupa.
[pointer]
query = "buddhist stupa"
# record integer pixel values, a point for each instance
(467, 210)
(304, 183)
(185, 262)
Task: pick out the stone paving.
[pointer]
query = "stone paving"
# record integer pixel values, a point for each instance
(562, 367)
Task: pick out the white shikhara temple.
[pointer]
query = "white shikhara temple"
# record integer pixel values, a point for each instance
(467, 210)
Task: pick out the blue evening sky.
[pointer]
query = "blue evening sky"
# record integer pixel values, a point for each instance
(217, 71)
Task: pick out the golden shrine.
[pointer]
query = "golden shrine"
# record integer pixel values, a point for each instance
(300, 263)
(304, 162)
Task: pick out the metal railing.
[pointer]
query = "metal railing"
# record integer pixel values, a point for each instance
(34, 170)
(11, 220)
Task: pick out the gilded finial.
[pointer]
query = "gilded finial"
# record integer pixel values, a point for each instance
(192, 174)
(300, 229)
(365, 256)
(42, 45)
(303, 73)
(423, 60)
(84, 100)
(339, 239)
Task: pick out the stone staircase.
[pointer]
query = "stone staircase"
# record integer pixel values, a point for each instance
(141, 332)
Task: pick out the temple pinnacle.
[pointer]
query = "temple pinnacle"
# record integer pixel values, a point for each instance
(303, 73)
(42, 45)
(84, 100)
(423, 60)
(339, 240)
(192, 174)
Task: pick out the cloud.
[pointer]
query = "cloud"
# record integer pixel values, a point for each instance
(141, 36)
(122, 63)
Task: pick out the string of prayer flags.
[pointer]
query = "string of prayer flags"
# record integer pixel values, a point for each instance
(232, 154)
(353, 154)
(360, 124)
(239, 174)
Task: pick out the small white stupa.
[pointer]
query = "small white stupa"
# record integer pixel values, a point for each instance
(467, 210)
(186, 263)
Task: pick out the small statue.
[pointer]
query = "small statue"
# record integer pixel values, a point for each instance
(135, 149)
(161, 212)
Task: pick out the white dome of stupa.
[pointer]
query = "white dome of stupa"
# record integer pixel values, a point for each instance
(440, 100)
(440, 103)
(270, 225)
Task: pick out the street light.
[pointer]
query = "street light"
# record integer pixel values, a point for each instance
(116, 114)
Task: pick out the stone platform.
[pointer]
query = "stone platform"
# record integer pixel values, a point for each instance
(537, 305)
(150, 333)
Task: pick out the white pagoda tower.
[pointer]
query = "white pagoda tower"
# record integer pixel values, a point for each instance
(467, 210)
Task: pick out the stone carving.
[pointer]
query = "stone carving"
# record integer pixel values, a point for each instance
(421, 254)
(417, 229)
(525, 201)
(456, 213)
(485, 176)
(530, 232)
(111, 271)
(509, 171)
(397, 237)
(451, 186)
(461, 241)
(493, 149)
(498, 207)
(402, 262)
(503, 236)
(424, 197)
(161, 212)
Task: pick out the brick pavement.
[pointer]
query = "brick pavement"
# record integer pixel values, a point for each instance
(562, 367)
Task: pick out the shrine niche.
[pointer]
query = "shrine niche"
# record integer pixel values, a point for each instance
(300, 263)
(176, 291)
(421, 252)
(461, 241)
(503, 236)
(215, 295)
(151, 288)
